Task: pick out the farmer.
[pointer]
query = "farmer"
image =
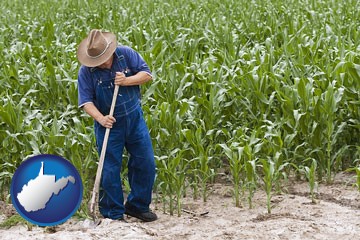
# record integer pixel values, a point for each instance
(104, 64)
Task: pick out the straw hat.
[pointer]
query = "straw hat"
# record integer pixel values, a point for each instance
(97, 48)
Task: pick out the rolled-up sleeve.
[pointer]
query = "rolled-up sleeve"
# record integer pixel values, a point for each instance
(136, 62)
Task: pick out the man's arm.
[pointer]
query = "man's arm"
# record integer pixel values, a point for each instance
(137, 79)
(105, 121)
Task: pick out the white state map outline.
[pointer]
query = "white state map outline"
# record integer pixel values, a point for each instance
(37, 192)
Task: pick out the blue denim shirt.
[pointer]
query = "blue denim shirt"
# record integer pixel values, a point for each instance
(96, 85)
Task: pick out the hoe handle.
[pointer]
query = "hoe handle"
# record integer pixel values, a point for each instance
(95, 192)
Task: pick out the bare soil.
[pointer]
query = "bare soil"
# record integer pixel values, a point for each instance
(335, 215)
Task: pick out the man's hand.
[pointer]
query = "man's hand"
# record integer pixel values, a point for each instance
(107, 121)
(120, 79)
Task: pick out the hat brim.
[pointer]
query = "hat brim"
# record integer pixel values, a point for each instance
(85, 60)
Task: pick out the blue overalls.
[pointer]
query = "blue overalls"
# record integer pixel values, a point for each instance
(129, 131)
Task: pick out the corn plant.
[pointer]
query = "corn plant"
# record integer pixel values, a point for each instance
(310, 173)
(358, 177)
(331, 100)
(200, 163)
(251, 149)
(234, 152)
(171, 176)
(250, 169)
(268, 167)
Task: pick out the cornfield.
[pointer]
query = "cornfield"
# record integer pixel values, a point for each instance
(253, 91)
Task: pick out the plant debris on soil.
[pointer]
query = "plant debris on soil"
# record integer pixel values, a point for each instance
(334, 215)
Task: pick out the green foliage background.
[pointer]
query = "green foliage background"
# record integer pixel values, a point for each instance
(237, 84)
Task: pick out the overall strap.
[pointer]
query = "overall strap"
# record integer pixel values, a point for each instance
(126, 71)
(122, 61)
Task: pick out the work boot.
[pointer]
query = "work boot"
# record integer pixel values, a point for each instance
(145, 216)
